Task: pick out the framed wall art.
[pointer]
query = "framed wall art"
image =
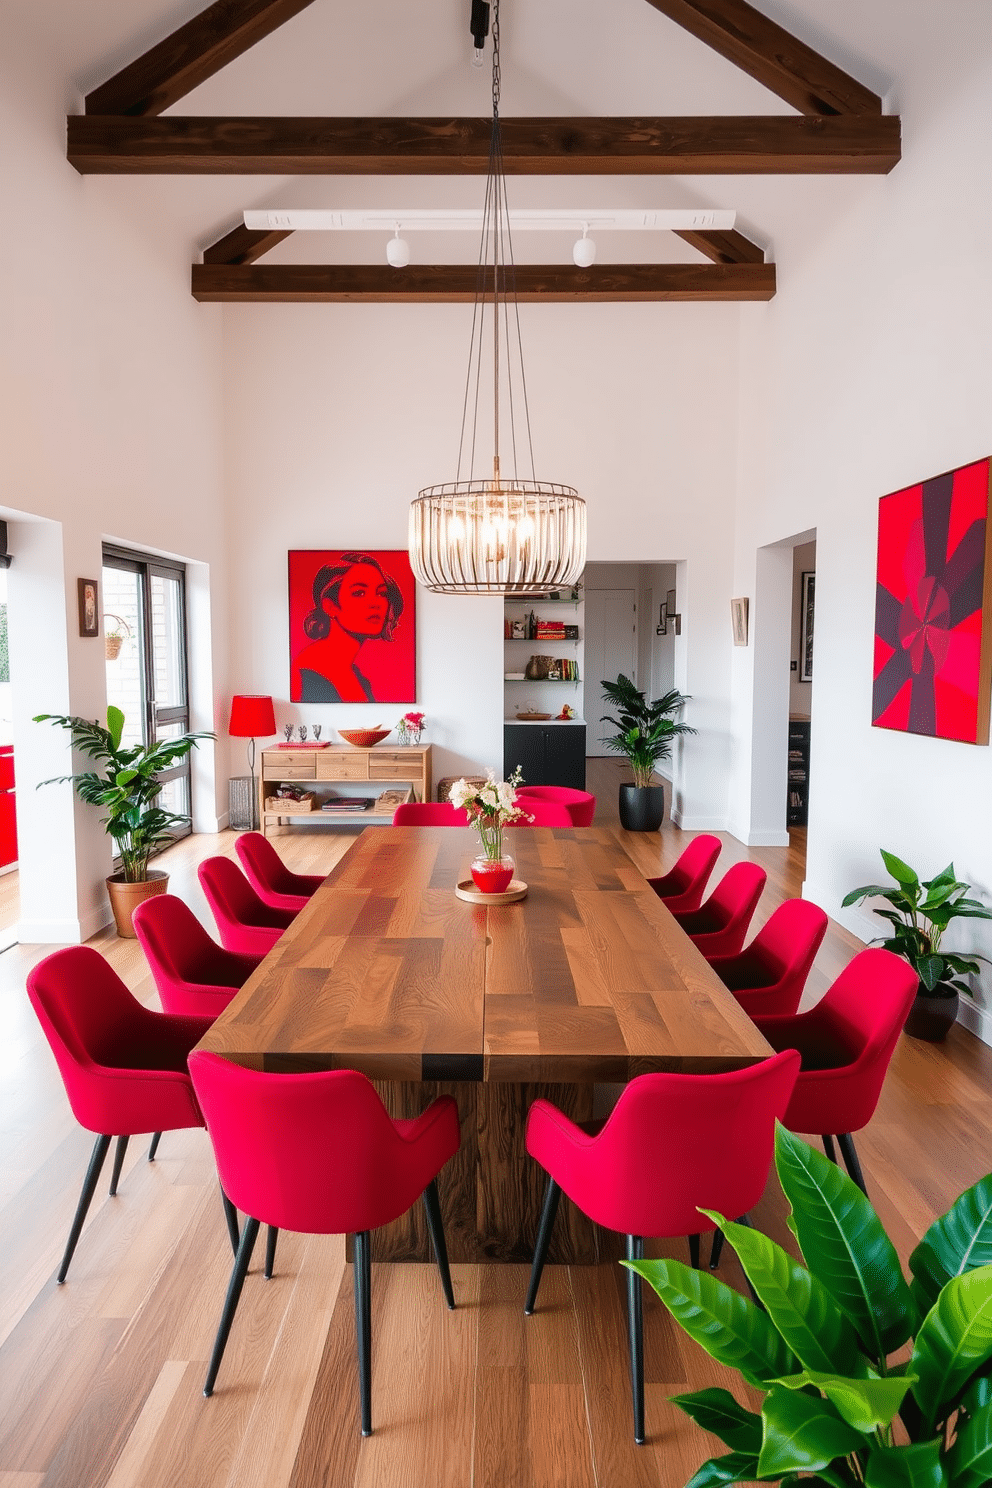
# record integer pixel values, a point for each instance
(933, 608)
(88, 597)
(807, 610)
(738, 619)
(352, 626)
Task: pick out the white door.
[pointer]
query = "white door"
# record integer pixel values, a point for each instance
(610, 648)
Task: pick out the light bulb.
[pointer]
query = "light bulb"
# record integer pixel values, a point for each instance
(478, 57)
(398, 250)
(584, 250)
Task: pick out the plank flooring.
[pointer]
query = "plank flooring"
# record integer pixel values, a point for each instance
(100, 1380)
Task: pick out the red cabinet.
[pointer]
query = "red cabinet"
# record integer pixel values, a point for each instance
(8, 811)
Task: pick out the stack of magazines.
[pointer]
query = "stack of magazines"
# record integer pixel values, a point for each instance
(347, 803)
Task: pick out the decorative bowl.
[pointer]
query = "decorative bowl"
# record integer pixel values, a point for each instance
(364, 738)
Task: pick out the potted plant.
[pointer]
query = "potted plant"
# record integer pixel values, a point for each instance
(644, 735)
(127, 786)
(820, 1339)
(919, 915)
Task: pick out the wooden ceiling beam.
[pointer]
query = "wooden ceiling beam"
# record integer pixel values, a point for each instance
(723, 247)
(190, 55)
(243, 245)
(771, 55)
(452, 284)
(855, 144)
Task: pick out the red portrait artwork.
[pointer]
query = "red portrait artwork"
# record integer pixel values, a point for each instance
(352, 626)
(933, 629)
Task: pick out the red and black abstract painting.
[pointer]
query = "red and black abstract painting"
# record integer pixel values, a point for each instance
(352, 626)
(933, 629)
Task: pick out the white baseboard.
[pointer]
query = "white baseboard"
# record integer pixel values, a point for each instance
(54, 932)
(10, 868)
(763, 839)
(977, 1019)
(699, 823)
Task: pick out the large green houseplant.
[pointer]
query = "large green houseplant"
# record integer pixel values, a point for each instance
(919, 913)
(645, 733)
(127, 786)
(837, 1405)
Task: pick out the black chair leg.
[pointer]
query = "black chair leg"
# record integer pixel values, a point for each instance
(829, 1148)
(432, 1208)
(231, 1215)
(100, 1149)
(716, 1249)
(635, 1325)
(851, 1160)
(694, 1252)
(363, 1325)
(118, 1164)
(270, 1251)
(153, 1147)
(552, 1197)
(241, 1262)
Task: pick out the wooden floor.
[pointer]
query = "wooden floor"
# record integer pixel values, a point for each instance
(100, 1380)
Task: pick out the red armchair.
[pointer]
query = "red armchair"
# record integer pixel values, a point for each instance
(846, 1042)
(673, 1144)
(682, 888)
(769, 976)
(268, 875)
(543, 814)
(123, 1066)
(319, 1154)
(718, 928)
(193, 973)
(429, 814)
(580, 805)
(245, 925)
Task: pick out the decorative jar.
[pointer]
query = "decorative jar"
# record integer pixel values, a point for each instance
(493, 875)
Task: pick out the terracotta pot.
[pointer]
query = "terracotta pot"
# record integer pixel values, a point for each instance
(642, 807)
(125, 897)
(931, 1017)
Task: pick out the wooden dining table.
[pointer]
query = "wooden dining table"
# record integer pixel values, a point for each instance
(568, 993)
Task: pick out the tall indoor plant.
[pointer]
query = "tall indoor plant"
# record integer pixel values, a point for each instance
(645, 733)
(920, 913)
(126, 784)
(820, 1340)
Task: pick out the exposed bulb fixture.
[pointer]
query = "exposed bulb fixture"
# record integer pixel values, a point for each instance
(584, 249)
(479, 27)
(398, 250)
(498, 533)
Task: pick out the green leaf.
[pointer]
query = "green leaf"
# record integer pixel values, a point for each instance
(901, 872)
(845, 1246)
(958, 1241)
(954, 1338)
(978, 1394)
(736, 1467)
(717, 1411)
(929, 970)
(802, 1434)
(820, 1335)
(115, 725)
(865, 1404)
(728, 1326)
(970, 1459)
(917, 1466)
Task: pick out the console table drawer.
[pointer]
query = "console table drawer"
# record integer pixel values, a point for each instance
(391, 767)
(281, 769)
(342, 767)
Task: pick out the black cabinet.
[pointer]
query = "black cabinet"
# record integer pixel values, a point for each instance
(797, 797)
(555, 755)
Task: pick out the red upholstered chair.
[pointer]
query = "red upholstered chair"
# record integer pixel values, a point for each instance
(846, 1042)
(244, 923)
(429, 814)
(580, 805)
(673, 1144)
(769, 976)
(719, 927)
(682, 888)
(123, 1066)
(543, 814)
(318, 1153)
(193, 973)
(268, 875)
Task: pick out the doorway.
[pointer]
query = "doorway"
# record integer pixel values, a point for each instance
(610, 648)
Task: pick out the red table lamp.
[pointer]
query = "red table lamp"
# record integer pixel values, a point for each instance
(252, 716)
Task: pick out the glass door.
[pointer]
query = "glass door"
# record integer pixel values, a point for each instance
(144, 619)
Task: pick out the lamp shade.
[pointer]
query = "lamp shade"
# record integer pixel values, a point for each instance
(252, 716)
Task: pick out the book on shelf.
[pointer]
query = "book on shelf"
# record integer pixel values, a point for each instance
(347, 803)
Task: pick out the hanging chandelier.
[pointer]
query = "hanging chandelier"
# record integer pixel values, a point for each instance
(498, 533)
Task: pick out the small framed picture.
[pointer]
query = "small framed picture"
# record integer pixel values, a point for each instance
(806, 626)
(662, 627)
(88, 591)
(738, 616)
(670, 604)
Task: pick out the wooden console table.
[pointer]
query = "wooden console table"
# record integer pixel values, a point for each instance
(336, 763)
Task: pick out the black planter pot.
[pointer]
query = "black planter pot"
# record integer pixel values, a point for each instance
(642, 807)
(931, 1017)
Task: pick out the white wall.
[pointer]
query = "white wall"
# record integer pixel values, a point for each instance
(868, 372)
(109, 427)
(800, 693)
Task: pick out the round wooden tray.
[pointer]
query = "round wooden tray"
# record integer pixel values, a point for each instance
(533, 717)
(467, 890)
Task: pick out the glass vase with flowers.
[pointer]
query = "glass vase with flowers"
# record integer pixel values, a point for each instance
(489, 809)
(410, 728)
